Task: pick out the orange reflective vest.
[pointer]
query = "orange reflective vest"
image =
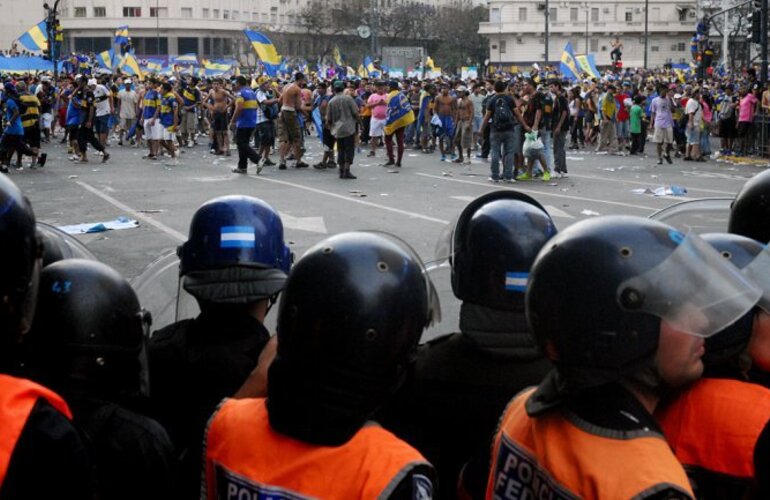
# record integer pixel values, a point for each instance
(714, 425)
(17, 398)
(551, 457)
(246, 458)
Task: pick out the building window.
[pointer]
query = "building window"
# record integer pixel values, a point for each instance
(553, 14)
(187, 45)
(273, 17)
(655, 15)
(681, 47)
(654, 48)
(494, 15)
(225, 14)
(522, 13)
(629, 16)
(158, 11)
(132, 12)
(594, 45)
(594, 14)
(96, 44)
(682, 15)
(502, 46)
(573, 14)
(100, 11)
(186, 11)
(206, 14)
(216, 14)
(80, 12)
(236, 15)
(255, 16)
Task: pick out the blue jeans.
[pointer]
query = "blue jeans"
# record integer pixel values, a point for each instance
(506, 139)
(547, 137)
(409, 133)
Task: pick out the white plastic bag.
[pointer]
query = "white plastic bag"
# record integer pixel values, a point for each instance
(532, 144)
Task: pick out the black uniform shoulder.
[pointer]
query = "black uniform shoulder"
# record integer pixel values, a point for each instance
(50, 459)
(418, 483)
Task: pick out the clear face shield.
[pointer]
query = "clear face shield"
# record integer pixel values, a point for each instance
(758, 271)
(695, 289)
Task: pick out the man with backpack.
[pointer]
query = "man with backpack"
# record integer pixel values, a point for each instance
(267, 111)
(504, 118)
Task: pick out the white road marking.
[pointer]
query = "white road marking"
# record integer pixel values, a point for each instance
(555, 212)
(543, 193)
(310, 224)
(173, 233)
(463, 198)
(407, 213)
(651, 183)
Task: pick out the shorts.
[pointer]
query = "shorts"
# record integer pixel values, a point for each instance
(377, 127)
(219, 121)
(447, 126)
(46, 119)
(477, 124)
(189, 123)
(32, 136)
(328, 140)
(464, 134)
(102, 124)
(127, 123)
(693, 136)
(621, 130)
(663, 135)
(72, 131)
(727, 128)
(289, 127)
(167, 135)
(153, 132)
(263, 134)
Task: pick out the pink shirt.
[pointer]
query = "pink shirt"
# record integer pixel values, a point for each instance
(707, 114)
(747, 107)
(380, 111)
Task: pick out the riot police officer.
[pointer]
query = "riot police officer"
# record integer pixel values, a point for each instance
(41, 453)
(88, 343)
(464, 380)
(750, 211)
(235, 264)
(351, 315)
(634, 300)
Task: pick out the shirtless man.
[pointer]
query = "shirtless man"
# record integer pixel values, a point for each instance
(290, 133)
(446, 107)
(219, 100)
(617, 50)
(464, 118)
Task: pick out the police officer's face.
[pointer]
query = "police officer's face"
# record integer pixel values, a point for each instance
(679, 356)
(759, 345)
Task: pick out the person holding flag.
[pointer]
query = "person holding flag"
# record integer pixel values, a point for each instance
(399, 116)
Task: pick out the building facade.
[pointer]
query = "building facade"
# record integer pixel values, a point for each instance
(516, 30)
(17, 18)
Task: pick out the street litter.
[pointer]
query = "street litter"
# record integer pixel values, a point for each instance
(392, 171)
(447, 174)
(590, 213)
(98, 227)
(574, 158)
(151, 211)
(662, 191)
(72, 177)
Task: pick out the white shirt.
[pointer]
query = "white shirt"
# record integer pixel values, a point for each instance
(128, 100)
(693, 106)
(102, 100)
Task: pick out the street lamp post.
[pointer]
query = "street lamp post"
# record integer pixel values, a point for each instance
(587, 11)
(646, 29)
(547, 32)
(157, 25)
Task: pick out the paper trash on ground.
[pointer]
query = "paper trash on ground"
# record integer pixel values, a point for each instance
(98, 227)
(662, 191)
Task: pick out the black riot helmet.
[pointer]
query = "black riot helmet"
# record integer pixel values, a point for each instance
(350, 317)
(750, 257)
(599, 290)
(20, 253)
(89, 334)
(493, 245)
(750, 211)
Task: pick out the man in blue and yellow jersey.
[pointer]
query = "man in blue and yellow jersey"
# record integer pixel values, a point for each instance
(244, 121)
(153, 131)
(169, 121)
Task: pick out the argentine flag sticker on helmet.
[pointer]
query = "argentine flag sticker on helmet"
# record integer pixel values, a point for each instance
(516, 282)
(237, 237)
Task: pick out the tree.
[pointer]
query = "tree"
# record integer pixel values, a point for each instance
(457, 41)
(331, 25)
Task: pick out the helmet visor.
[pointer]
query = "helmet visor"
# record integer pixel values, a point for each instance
(695, 289)
(444, 245)
(758, 271)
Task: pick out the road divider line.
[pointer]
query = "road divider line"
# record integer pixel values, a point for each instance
(544, 193)
(652, 183)
(407, 213)
(172, 233)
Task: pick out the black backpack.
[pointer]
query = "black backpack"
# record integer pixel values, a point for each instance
(502, 117)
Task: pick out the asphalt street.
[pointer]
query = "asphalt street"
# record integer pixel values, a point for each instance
(415, 202)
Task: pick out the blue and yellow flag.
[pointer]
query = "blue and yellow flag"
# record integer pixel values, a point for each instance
(130, 66)
(584, 64)
(121, 35)
(568, 66)
(400, 112)
(371, 70)
(429, 64)
(154, 65)
(36, 38)
(106, 58)
(265, 51)
(186, 60)
(425, 100)
(337, 56)
(212, 68)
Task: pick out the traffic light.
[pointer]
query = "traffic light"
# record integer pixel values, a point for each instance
(58, 33)
(756, 26)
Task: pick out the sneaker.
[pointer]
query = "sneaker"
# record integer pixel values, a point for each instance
(668, 159)
(41, 159)
(190, 144)
(389, 163)
(458, 160)
(148, 157)
(282, 166)
(120, 143)
(454, 156)
(524, 177)
(509, 181)
(331, 164)
(370, 154)
(172, 163)
(660, 161)
(467, 161)
(3, 169)
(301, 164)
(493, 180)
(237, 170)
(268, 163)
(563, 175)
(105, 157)
(443, 158)
(320, 166)
(546, 176)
